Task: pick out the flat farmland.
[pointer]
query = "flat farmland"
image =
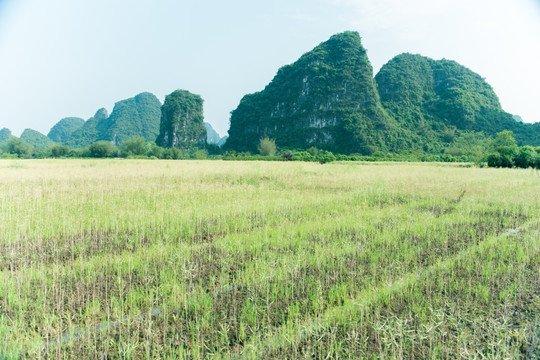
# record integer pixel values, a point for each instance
(139, 259)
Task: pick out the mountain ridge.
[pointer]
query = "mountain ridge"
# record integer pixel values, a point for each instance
(328, 98)
(324, 99)
(136, 116)
(434, 98)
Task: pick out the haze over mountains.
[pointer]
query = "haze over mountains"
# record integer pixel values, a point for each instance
(327, 99)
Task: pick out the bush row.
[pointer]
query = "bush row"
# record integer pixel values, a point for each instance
(505, 153)
(132, 148)
(502, 152)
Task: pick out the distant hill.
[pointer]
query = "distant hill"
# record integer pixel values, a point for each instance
(36, 139)
(182, 121)
(223, 140)
(88, 133)
(518, 118)
(212, 136)
(431, 99)
(5, 134)
(137, 116)
(63, 129)
(327, 99)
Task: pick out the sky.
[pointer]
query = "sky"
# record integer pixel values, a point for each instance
(61, 58)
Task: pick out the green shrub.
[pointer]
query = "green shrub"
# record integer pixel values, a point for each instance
(102, 149)
(267, 146)
(200, 154)
(313, 151)
(41, 154)
(58, 150)
(526, 157)
(134, 146)
(325, 157)
(155, 151)
(494, 160)
(19, 147)
(173, 154)
(303, 156)
(214, 149)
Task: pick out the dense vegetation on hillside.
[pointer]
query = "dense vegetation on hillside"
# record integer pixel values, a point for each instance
(414, 108)
(137, 116)
(36, 139)
(182, 121)
(438, 100)
(5, 134)
(327, 99)
(88, 133)
(63, 129)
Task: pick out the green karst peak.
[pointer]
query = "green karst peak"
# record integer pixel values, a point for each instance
(5, 135)
(88, 133)
(436, 99)
(136, 116)
(36, 139)
(63, 129)
(182, 121)
(327, 99)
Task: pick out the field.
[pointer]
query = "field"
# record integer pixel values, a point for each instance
(128, 259)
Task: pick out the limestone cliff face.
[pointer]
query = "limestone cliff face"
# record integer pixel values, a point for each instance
(182, 121)
(326, 99)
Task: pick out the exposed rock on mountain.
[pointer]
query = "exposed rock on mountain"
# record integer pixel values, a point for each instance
(327, 99)
(182, 122)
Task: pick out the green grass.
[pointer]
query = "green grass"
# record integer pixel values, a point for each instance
(195, 259)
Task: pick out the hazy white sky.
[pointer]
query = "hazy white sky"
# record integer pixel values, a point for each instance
(62, 58)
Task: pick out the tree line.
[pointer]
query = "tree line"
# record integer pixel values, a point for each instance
(502, 152)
